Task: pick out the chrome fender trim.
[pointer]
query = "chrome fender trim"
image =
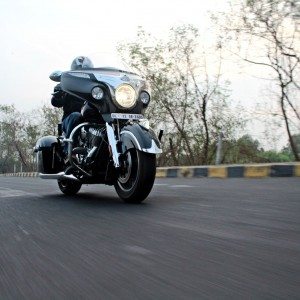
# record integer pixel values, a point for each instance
(153, 149)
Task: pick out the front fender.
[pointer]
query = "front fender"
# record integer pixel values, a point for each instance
(136, 136)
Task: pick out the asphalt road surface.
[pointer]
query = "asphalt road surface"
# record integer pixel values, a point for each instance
(191, 239)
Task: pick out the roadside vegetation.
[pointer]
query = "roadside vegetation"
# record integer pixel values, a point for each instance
(19, 132)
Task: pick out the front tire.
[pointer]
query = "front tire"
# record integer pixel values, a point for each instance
(69, 187)
(135, 184)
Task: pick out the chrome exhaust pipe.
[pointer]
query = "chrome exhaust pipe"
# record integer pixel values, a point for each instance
(60, 175)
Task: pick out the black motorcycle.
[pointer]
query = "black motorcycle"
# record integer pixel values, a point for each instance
(114, 145)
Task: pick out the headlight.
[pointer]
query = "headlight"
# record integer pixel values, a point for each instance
(145, 98)
(125, 96)
(97, 93)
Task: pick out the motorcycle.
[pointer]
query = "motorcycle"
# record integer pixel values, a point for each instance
(114, 145)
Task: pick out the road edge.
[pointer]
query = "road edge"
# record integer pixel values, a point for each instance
(221, 171)
(232, 171)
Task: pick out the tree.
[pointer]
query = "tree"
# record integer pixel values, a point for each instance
(268, 36)
(50, 117)
(248, 150)
(19, 133)
(189, 96)
(243, 150)
(287, 149)
(13, 136)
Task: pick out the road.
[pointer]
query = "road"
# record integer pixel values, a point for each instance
(191, 239)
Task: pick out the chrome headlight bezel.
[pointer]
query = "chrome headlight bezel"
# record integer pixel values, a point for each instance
(125, 96)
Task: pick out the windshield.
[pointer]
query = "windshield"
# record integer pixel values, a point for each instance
(109, 60)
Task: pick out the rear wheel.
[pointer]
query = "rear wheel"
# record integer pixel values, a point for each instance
(137, 178)
(69, 187)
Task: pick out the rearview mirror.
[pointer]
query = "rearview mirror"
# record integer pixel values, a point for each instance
(55, 76)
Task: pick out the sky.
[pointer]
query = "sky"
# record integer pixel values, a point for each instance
(41, 36)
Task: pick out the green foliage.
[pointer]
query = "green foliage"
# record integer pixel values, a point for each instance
(287, 149)
(273, 156)
(247, 150)
(243, 150)
(12, 136)
(51, 116)
(19, 133)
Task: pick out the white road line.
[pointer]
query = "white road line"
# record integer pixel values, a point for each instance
(137, 249)
(6, 193)
(23, 230)
(181, 186)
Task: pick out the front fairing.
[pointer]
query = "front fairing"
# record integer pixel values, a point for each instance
(80, 84)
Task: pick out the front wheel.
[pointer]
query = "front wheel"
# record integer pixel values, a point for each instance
(137, 178)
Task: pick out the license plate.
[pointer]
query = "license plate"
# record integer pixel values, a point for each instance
(127, 116)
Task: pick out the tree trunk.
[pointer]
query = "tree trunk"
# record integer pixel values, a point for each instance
(206, 141)
(173, 152)
(23, 161)
(292, 143)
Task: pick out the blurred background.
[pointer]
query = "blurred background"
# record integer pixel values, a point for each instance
(221, 73)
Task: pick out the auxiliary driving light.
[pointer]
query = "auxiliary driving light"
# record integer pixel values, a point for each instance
(97, 93)
(145, 98)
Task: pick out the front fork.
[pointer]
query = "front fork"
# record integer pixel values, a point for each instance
(113, 144)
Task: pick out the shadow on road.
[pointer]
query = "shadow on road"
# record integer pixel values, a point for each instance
(90, 199)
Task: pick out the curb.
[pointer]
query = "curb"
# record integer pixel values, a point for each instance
(232, 171)
(19, 174)
(222, 171)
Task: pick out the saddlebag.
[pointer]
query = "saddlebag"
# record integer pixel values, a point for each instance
(48, 155)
